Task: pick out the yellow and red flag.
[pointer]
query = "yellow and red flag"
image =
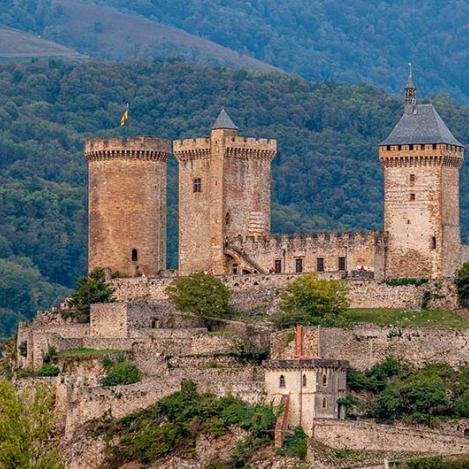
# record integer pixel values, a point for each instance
(125, 116)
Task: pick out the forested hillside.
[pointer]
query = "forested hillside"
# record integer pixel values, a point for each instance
(351, 41)
(325, 176)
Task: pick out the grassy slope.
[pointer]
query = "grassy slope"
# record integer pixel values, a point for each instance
(17, 44)
(105, 32)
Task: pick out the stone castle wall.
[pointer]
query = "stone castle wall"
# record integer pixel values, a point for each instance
(127, 204)
(361, 249)
(371, 436)
(261, 291)
(365, 346)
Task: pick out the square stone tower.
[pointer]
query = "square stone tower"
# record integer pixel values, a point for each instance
(224, 191)
(421, 161)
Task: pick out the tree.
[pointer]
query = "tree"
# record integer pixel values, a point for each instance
(202, 295)
(308, 299)
(90, 289)
(27, 438)
(462, 281)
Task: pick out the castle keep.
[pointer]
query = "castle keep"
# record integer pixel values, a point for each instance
(127, 204)
(225, 206)
(224, 191)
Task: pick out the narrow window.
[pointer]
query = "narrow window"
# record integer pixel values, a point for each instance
(134, 255)
(153, 323)
(298, 265)
(278, 266)
(342, 264)
(466, 432)
(412, 178)
(433, 242)
(324, 402)
(304, 381)
(434, 146)
(388, 148)
(399, 147)
(227, 218)
(412, 197)
(411, 147)
(324, 380)
(235, 269)
(282, 381)
(197, 185)
(320, 264)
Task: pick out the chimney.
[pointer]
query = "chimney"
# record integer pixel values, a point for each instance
(299, 342)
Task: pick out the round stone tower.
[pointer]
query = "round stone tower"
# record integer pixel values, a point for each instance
(127, 204)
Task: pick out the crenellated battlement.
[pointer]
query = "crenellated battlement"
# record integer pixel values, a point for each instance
(192, 149)
(308, 240)
(421, 155)
(144, 147)
(250, 148)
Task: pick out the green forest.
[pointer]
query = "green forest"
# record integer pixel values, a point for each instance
(320, 40)
(326, 174)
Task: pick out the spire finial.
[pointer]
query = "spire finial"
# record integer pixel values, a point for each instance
(410, 92)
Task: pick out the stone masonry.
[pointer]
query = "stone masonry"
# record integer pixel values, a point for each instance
(127, 204)
(224, 190)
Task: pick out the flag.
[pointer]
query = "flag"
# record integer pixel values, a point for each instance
(125, 116)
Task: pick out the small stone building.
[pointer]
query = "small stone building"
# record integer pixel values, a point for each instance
(308, 387)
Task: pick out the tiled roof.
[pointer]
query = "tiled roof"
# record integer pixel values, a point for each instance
(224, 122)
(423, 125)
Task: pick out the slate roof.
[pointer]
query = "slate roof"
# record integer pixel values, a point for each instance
(423, 125)
(224, 122)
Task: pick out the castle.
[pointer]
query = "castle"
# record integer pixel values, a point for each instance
(225, 206)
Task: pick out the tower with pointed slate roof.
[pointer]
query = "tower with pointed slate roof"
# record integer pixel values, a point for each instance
(421, 160)
(224, 191)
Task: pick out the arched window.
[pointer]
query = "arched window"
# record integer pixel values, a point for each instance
(134, 255)
(282, 381)
(324, 380)
(324, 402)
(304, 380)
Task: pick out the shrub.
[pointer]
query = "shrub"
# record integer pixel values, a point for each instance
(462, 282)
(48, 370)
(90, 289)
(122, 372)
(202, 295)
(308, 299)
(23, 348)
(462, 405)
(295, 445)
(27, 423)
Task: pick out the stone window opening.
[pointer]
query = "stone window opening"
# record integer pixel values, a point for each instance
(412, 178)
(299, 265)
(235, 269)
(320, 264)
(304, 381)
(134, 255)
(324, 402)
(282, 381)
(411, 147)
(324, 380)
(227, 218)
(412, 197)
(408, 222)
(466, 432)
(342, 264)
(434, 146)
(278, 266)
(197, 185)
(433, 242)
